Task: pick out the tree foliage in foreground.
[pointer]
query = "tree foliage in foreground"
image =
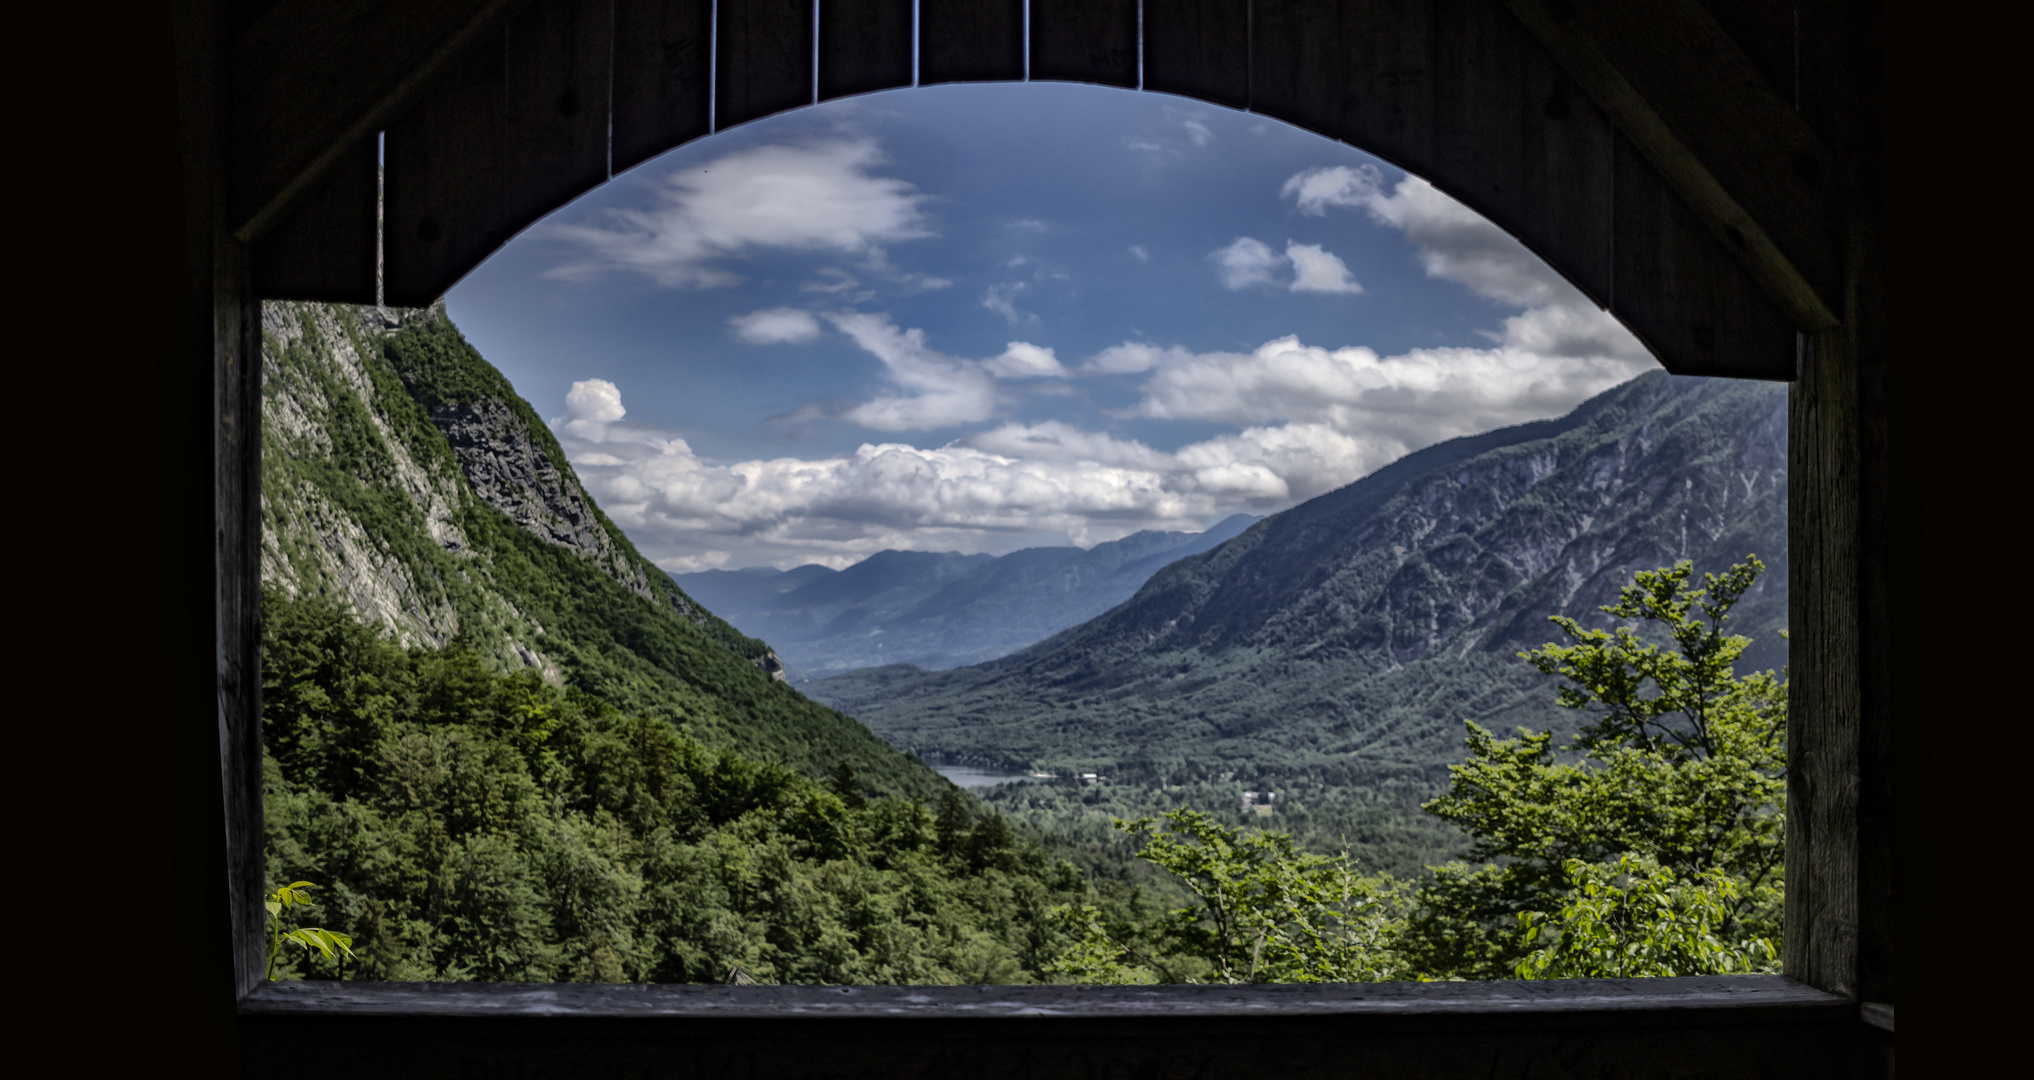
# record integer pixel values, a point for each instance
(466, 824)
(1652, 846)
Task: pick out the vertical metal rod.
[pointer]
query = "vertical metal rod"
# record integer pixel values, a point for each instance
(713, 69)
(815, 52)
(380, 215)
(610, 88)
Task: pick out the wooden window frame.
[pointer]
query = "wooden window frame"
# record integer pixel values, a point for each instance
(1851, 463)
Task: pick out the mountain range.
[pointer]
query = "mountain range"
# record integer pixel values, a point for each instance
(938, 609)
(1346, 639)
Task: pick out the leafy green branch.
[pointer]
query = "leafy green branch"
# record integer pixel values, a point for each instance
(327, 943)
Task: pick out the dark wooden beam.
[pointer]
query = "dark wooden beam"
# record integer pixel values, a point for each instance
(323, 247)
(1703, 114)
(313, 78)
(765, 59)
(662, 52)
(442, 181)
(1091, 41)
(970, 41)
(864, 46)
(1199, 49)
(1757, 1026)
(558, 63)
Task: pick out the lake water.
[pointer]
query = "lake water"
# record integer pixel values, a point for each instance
(964, 776)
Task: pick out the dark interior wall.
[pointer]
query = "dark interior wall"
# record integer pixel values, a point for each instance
(118, 936)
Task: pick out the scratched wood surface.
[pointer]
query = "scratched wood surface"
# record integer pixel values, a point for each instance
(1749, 1027)
(763, 59)
(557, 67)
(1198, 49)
(1091, 41)
(662, 49)
(864, 45)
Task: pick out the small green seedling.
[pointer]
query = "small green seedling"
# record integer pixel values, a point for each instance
(329, 943)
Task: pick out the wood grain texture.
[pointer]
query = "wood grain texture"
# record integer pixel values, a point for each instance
(1685, 297)
(1752, 1028)
(236, 576)
(1360, 73)
(324, 247)
(1512, 136)
(443, 178)
(864, 45)
(764, 60)
(1823, 733)
(1454, 91)
(662, 85)
(1091, 41)
(1699, 110)
(312, 79)
(1198, 49)
(555, 106)
(970, 41)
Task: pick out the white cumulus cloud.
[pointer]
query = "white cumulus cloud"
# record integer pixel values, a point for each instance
(776, 326)
(1245, 262)
(1248, 262)
(817, 196)
(1315, 269)
(590, 406)
(939, 390)
(1023, 360)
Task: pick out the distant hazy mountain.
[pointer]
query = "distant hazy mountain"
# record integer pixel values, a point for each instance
(1349, 637)
(938, 609)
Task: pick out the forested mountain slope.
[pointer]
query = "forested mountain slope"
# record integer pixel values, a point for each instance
(1341, 643)
(404, 480)
(939, 609)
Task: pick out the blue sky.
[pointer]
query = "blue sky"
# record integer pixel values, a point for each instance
(987, 317)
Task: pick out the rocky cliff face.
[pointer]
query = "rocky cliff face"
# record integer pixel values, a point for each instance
(512, 474)
(406, 481)
(358, 492)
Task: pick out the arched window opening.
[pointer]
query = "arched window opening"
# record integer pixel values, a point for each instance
(1106, 454)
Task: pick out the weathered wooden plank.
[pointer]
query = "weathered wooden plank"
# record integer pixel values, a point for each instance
(1362, 73)
(1824, 701)
(314, 78)
(1517, 141)
(555, 106)
(662, 79)
(1603, 1029)
(1199, 49)
(1675, 84)
(443, 178)
(1091, 41)
(864, 45)
(1715, 994)
(236, 582)
(764, 60)
(324, 247)
(1454, 91)
(1685, 297)
(970, 41)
